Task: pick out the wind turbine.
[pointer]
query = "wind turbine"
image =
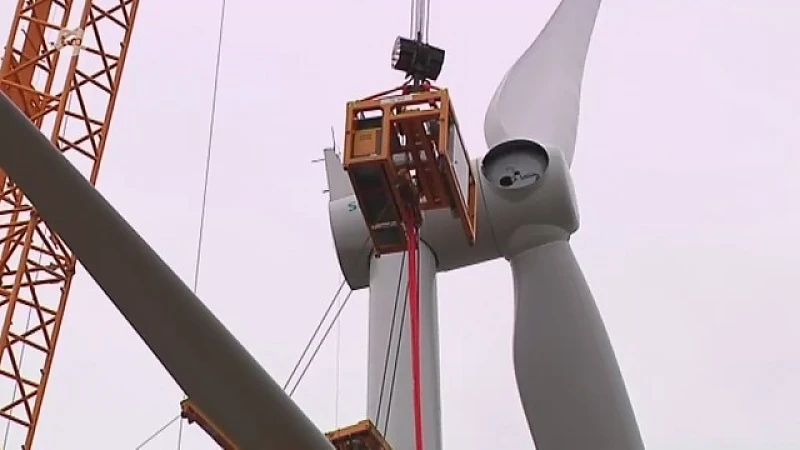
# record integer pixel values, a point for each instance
(569, 381)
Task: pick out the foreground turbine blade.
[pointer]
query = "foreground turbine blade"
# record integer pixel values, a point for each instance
(570, 384)
(203, 357)
(539, 98)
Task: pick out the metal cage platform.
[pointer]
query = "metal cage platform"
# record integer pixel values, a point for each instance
(361, 436)
(405, 148)
(193, 414)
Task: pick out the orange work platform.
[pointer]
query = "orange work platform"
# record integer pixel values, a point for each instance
(361, 436)
(191, 413)
(405, 148)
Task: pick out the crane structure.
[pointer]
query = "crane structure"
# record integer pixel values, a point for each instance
(65, 79)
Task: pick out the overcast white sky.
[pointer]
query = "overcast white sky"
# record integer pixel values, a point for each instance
(685, 171)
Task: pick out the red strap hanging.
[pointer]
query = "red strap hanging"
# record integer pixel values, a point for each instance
(413, 292)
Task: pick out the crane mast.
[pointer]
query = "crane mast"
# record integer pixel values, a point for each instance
(72, 103)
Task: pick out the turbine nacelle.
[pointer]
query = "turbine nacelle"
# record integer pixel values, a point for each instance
(525, 199)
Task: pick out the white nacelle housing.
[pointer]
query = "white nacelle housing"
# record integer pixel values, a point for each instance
(525, 196)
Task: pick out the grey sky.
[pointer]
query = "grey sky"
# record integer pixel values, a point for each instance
(685, 173)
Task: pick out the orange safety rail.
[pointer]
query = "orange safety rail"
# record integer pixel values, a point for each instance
(406, 148)
(193, 414)
(361, 436)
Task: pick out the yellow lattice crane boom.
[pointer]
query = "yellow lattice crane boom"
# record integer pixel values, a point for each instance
(64, 75)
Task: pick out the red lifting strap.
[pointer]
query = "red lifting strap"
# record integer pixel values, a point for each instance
(412, 239)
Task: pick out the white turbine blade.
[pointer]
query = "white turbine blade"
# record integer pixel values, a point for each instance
(338, 183)
(203, 357)
(569, 381)
(539, 98)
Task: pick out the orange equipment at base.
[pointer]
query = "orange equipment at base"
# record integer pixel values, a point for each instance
(361, 436)
(192, 414)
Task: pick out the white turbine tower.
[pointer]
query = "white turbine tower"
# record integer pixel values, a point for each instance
(569, 381)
